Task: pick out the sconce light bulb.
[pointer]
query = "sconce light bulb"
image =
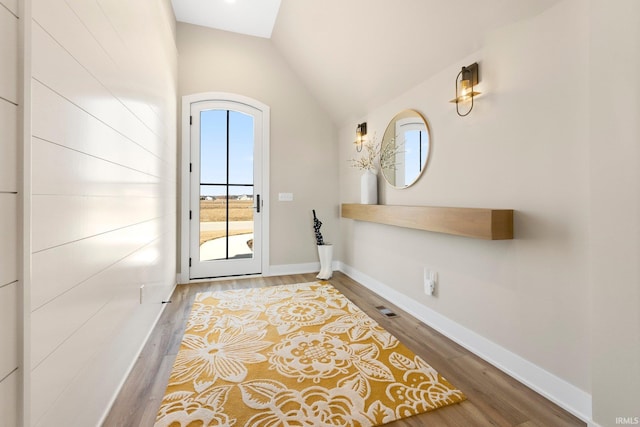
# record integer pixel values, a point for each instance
(361, 131)
(466, 91)
(468, 78)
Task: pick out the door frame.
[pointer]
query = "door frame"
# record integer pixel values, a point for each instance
(185, 189)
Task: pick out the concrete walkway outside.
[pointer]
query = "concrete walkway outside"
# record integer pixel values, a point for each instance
(238, 248)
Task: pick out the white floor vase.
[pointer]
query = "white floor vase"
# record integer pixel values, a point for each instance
(326, 259)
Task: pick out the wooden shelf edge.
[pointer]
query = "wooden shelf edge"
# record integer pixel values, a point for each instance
(479, 223)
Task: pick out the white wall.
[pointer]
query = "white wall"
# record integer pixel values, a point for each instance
(303, 153)
(9, 199)
(524, 147)
(103, 202)
(615, 209)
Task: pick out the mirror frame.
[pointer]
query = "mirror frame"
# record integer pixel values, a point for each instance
(389, 136)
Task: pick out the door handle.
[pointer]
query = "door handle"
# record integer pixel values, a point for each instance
(258, 203)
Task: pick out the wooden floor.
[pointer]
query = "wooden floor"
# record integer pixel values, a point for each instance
(494, 398)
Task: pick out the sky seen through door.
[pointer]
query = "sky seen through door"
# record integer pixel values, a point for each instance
(213, 166)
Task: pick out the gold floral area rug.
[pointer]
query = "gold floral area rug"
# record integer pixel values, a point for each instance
(294, 355)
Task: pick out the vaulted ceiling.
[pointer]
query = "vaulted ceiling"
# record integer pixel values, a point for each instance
(357, 54)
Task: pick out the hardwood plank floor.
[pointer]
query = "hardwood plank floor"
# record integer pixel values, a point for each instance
(493, 398)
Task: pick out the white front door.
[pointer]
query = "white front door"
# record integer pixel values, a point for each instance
(226, 199)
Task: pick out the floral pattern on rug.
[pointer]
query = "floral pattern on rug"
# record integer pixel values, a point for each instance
(294, 355)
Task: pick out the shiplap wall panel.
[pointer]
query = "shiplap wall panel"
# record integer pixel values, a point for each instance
(84, 350)
(9, 283)
(8, 146)
(9, 400)
(59, 219)
(102, 178)
(8, 329)
(142, 68)
(52, 115)
(56, 322)
(138, 64)
(12, 5)
(57, 69)
(108, 375)
(9, 239)
(64, 25)
(9, 55)
(57, 270)
(104, 148)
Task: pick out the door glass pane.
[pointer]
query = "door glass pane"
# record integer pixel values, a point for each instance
(240, 148)
(226, 197)
(213, 222)
(213, 146)
(241, 222)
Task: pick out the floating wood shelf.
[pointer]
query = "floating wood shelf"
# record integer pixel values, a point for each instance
(489, 224)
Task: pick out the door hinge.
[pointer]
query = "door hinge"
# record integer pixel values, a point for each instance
(190, 120)
(190, 214)
(189, 261)
(190, 167)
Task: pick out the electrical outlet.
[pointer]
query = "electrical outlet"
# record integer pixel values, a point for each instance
(430, 281)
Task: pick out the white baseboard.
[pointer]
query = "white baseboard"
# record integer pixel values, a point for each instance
(557, 390)
(285, 269)
(273, 270)
(113, 398)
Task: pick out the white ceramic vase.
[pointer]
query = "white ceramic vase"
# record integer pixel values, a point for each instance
(369, 188)
(326, 259)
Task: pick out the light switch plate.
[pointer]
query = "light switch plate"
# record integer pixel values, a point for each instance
(285, 197)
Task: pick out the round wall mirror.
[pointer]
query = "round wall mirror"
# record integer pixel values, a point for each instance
(405, 149)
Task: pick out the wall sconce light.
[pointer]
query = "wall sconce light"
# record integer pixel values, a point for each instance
(468, 77)
(361, 132)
